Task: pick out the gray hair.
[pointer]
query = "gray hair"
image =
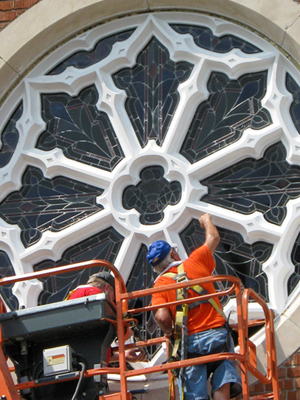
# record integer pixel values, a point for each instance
(159, 268)
(97, 282)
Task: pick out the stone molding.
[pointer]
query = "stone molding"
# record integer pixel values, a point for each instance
(30, 37)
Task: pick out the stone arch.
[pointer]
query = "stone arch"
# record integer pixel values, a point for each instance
(29, 38)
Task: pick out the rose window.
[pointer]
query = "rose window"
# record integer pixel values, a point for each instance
(128, 132)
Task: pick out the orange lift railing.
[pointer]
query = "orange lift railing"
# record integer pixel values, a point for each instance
(244, 357)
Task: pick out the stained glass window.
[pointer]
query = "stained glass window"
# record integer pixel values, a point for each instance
(103, 246)
(6, 269)
(10, 137)
(233, 256)
(147, 128)
(204, 38)
(264, 185)
(84, 58)
(294, 88)
(141, 277)
(295, 257)
(75, 125)
(151, 88)
(48, 204)
(152, 195)
(232, 107)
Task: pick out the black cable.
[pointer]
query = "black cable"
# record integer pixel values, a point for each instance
(83, 369)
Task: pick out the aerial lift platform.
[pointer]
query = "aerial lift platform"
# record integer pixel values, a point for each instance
(59, 350)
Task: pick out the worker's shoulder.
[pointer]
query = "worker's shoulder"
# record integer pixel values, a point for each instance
(201, 253)
(167, 278)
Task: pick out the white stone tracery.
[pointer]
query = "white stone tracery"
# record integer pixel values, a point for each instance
(252, 227)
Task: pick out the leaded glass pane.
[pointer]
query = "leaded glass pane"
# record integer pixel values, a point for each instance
(6, 269)
(75, 125)
(84, 59)
(233, 256)
(10, 137)
(151, 195)
(232, 107)
(294, 88)
(141, 277)
(151, 88)
(48, 204)
(295, 258)
(103, 246)
(264, 185)
(204, 38)
(160, 122)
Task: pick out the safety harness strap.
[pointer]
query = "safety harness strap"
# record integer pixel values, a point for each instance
(181, 317)
(69, 294)
(181, 277)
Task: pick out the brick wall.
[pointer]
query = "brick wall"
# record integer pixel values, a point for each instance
(11, 9)
(289, 380)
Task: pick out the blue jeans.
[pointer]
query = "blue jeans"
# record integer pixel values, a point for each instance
(196, 376)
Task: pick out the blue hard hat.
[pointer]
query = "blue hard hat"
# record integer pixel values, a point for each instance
(157, 252)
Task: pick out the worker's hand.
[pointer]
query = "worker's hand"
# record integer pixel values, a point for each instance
(135, 355)
(130, 333)
(212, 236)
(204, 219)
(169, 335)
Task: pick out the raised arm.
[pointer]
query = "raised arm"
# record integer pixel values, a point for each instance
(212, 236)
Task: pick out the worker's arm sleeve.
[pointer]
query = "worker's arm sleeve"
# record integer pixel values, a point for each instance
(158, 298)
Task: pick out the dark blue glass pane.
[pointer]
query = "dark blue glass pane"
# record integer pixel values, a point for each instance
(43, 204)
(141, 277)
(102, 246)
(204, 38)
(6, 269)
(232, 107)
(233, 257)
(264, 185)
(10, 137)
(79, 129)
(83, 59)
(151, 195)
(293, 87)
(295, 258)
(151, 88)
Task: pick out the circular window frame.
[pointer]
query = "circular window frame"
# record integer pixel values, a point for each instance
(23, 51)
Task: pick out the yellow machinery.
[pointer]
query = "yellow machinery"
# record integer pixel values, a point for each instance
(59, 350)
